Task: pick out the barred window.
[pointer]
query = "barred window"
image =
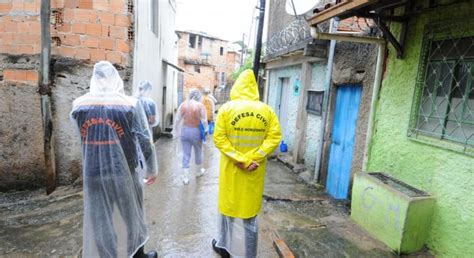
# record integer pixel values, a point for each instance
(315, 102)
(444, 106)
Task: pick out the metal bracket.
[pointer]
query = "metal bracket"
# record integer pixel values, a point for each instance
(391, 18)
(389, 36)
(380, 20)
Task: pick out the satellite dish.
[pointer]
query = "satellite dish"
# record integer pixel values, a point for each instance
(301, 6)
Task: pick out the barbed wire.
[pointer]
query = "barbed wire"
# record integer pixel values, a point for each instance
(297, 31)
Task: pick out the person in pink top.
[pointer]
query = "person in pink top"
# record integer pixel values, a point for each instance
(191, 114)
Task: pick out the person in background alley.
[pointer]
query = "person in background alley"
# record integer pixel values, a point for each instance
(191, 119)
(148, 104)
(118, 156)
(247, 132)
(209, 104)
(208, 93)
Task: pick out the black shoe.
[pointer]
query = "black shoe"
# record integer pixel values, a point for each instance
(141, 254)
(221, 251)
(151, 254)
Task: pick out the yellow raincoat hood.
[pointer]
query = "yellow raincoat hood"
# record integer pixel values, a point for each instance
(245, 88)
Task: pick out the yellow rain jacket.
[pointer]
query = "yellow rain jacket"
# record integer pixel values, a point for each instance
(246, 130)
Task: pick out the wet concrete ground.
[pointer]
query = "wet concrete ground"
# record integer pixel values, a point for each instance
(310, 223)
(183, 219)
(33, 224)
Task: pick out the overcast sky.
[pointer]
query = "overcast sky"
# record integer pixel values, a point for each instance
(226, 19)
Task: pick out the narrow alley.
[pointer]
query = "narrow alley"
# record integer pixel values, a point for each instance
(183, 219)
(364, 110)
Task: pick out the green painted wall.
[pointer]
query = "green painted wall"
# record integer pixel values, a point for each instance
(446, 174)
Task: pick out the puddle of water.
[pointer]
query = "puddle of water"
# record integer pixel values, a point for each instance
(323, 243)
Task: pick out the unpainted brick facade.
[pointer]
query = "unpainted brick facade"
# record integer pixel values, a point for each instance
(84, 29)
(82, 32)
(206, 60)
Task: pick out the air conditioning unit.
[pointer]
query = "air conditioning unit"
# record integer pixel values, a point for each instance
(392, 211)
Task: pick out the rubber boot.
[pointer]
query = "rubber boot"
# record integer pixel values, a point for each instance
(200, 172)
(186, 176)
(141, 254)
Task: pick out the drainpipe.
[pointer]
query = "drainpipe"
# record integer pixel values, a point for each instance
(373, 104)
(376, 87)
(327, 84)
(45, 92)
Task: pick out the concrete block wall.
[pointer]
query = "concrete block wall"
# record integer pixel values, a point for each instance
(293, 73)
(21, 137)
(71, 80)
(21, 127)
(313, 126)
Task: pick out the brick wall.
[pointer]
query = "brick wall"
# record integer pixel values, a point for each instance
(20, 27)
(206, 78)
(90, 30)
(233, 60)
(20, 75)
(93, 30)
(83, 32)
(209, 52)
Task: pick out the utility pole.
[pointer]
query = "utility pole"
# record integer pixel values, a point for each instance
(242, 49)
(45, 92)
(258, 40)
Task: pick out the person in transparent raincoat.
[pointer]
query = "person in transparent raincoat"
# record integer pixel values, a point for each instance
(118, 157)
(247, 132)
(144, 96)
(190, 122)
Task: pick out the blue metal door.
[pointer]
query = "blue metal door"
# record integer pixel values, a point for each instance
(342, 141)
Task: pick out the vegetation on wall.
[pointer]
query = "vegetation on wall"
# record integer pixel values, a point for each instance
(247, 64)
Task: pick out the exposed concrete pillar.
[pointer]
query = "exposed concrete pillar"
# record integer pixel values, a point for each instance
(45, 91)
(302, 117)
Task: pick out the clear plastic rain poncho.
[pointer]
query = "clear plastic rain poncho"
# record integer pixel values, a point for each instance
(238, 236)
(117, 154)
(143, 95)
(191, 116)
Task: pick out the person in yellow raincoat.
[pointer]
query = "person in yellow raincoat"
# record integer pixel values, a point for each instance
(247, 132)
(208, 102)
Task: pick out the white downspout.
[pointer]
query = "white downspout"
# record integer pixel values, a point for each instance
(327, 85)
(375, 91)
(373, 104)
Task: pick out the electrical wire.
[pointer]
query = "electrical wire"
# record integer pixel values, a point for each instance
(294, 8)
(251, 25)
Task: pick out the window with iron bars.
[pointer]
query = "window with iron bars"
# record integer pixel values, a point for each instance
(443, 107)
